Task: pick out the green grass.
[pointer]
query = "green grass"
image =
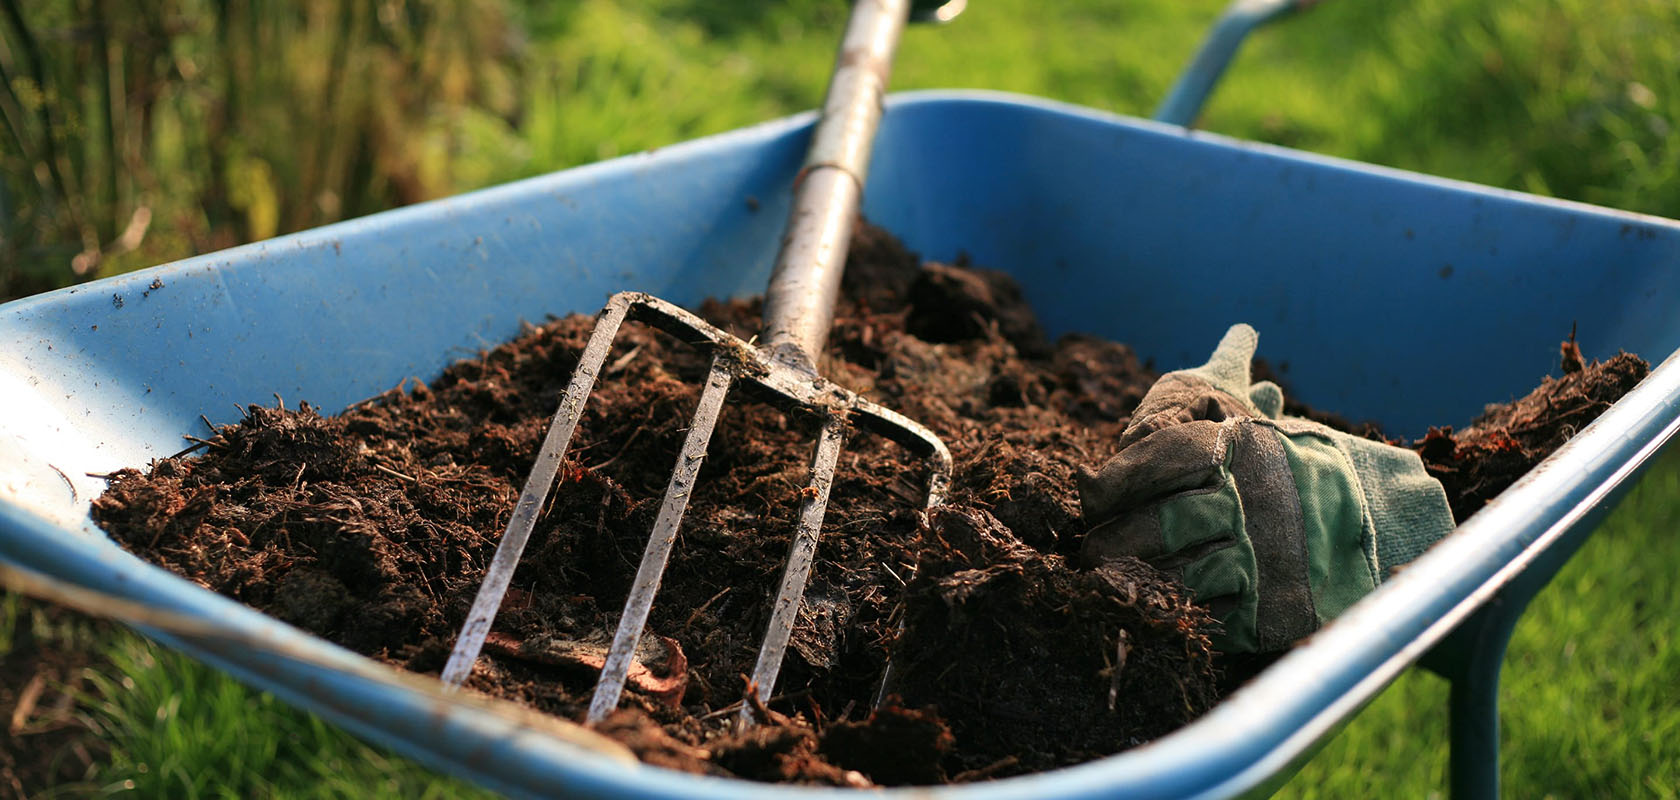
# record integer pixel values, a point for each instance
(1572, 98)
(186, 731)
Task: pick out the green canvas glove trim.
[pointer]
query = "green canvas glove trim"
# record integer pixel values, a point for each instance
(1193, 520)
(1341, 554)
(1226, 577)
(1205, 530)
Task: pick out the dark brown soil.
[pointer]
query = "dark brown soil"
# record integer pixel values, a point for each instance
(1002, 640)
(1508, 439)
(372, 528)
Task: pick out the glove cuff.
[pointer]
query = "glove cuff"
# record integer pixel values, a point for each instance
(1408, 508)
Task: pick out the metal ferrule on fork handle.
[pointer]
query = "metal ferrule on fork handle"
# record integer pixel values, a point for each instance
(799, 304)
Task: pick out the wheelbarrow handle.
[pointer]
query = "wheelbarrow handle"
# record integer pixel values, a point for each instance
(1184, 101)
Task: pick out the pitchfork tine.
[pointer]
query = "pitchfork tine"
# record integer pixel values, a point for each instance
(658, 551)
(531, 498)
(800, 557)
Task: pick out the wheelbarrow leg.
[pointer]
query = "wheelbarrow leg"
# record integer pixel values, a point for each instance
(1474, 703)
(1472, 655)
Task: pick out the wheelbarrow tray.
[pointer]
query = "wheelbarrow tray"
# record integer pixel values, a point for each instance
(1397, 297)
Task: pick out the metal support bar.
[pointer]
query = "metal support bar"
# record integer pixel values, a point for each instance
(1471, 658)
(1474, 701)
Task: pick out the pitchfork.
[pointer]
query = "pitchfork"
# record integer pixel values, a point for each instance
(798, 311)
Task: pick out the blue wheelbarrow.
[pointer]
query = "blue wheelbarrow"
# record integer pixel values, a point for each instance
(1090, 211)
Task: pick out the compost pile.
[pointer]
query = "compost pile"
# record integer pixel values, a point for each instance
(372, 528)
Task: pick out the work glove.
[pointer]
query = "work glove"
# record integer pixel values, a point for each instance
(1276, 523)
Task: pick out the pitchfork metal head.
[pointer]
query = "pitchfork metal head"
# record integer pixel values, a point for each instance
(798, 310)
(787, 382)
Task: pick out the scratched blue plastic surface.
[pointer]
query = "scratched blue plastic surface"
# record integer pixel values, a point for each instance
(1384, 295)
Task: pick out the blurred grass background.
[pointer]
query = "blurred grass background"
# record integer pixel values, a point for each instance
(135, 134)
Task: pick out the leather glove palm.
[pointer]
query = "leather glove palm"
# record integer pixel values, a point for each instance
(1277, 523)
